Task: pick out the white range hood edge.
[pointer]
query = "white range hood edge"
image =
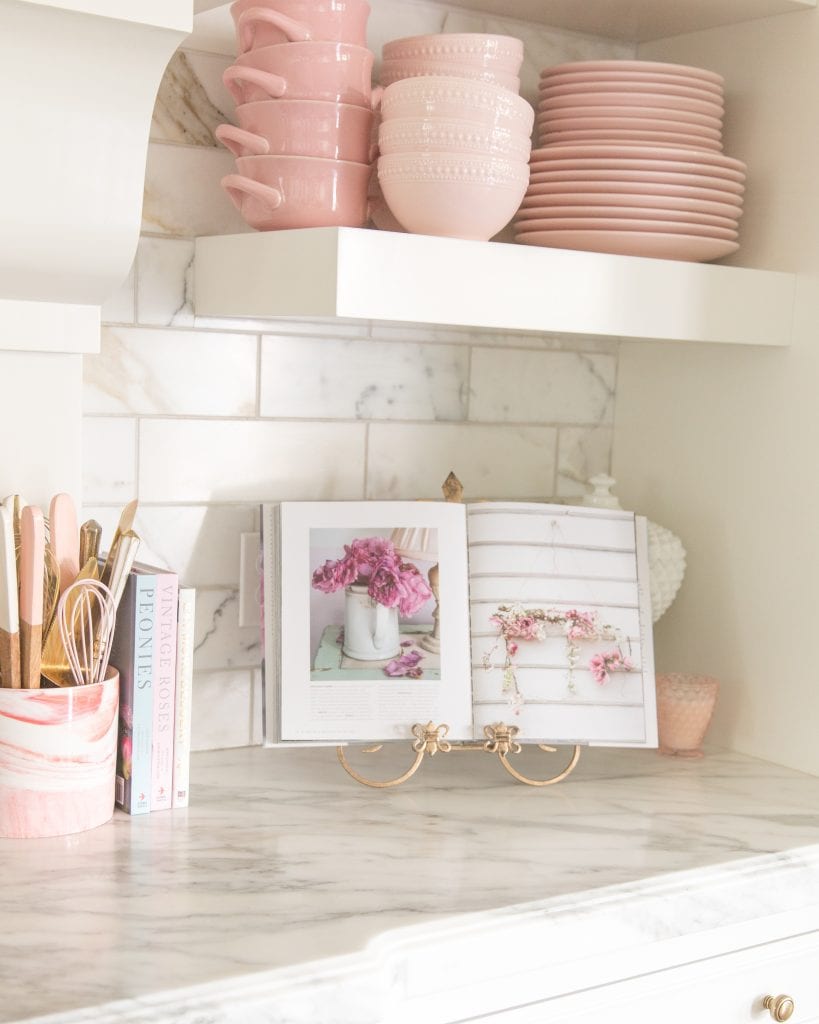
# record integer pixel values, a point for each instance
(79, 82)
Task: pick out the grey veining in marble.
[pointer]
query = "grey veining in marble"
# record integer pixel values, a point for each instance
(192, 100)
(287, 893)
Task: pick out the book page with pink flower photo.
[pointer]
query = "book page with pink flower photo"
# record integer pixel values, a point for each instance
(561, 623)
(373, 619)
(383, 614)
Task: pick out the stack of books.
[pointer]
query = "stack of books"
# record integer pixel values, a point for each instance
(153, 650)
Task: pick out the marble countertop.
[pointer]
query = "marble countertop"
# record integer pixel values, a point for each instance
(285, 884)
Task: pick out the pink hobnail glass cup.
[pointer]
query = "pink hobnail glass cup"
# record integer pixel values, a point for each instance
(685, 706)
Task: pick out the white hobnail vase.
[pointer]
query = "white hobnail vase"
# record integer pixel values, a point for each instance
(666, 554)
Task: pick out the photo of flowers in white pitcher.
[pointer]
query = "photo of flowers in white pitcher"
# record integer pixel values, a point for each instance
(385, 611)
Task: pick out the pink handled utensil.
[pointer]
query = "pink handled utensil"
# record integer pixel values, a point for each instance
(9, 613)
(32, 565)
(64, 538)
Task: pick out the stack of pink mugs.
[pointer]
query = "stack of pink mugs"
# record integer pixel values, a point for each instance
(454, 138)
(303, 87)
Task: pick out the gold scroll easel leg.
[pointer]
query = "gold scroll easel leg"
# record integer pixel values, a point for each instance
(419, 757)
(541, 782)
(429, 739)
(500, 740)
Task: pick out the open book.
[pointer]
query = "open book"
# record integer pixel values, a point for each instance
(381, 614)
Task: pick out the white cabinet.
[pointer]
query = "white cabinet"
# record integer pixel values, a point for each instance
(728, 989)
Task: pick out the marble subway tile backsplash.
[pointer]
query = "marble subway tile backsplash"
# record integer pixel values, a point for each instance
(149, 371)
(537, 387)
(204, 418)
(192, 101)
(183, 196)
(411, 461)
(344, 379)
(195, 460)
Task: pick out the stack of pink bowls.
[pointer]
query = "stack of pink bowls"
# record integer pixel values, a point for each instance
(630, 161)
(303, 87)
(454, 139)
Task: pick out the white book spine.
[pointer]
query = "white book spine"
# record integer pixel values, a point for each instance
(184, 696)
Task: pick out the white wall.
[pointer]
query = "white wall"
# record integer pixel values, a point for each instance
(204, 419)
(720, 444)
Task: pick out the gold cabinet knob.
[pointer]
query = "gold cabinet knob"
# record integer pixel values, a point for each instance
(780, 1007)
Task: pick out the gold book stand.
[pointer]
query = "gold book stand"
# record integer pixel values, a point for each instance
(431, 739)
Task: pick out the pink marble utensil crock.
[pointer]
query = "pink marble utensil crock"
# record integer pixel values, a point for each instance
(334, 72)
(58, 753)
(282, 21)
(330, 131)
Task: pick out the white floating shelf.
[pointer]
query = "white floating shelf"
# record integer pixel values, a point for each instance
(354, 273)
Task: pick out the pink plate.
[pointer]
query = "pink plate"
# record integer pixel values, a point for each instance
(673, 138)
(584, 155)
(649, 213)
(620, 98)
(546, 196)
(632, 81)
(652, 192)
(646, 112)
(633, 243)
(581, 179)
(580, 121)
(648, 67)
(679, 166)
(670, 227)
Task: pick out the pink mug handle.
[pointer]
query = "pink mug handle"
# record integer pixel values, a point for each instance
(237, 186)
(273, 85)
(296, 31)
(240, 142)
(375, 99)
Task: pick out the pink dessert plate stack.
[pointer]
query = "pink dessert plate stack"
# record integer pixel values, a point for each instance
(303, 89)
(630, 161)
(454, 138)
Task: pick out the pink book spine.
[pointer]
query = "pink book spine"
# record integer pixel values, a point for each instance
(167, 591)
(184, 696)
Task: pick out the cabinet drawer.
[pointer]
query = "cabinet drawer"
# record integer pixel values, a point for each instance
(727, 989)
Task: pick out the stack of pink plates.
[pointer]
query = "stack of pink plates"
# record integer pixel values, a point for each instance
(630, 161)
